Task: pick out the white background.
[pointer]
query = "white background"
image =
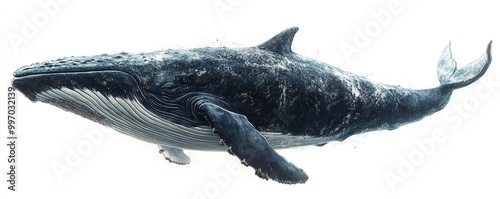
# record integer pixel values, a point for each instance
(403, 51)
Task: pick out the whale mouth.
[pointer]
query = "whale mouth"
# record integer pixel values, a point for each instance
(108, 74)
(108, 82)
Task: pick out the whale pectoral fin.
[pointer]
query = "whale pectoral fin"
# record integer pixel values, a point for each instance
(174, 155)
(250, 146)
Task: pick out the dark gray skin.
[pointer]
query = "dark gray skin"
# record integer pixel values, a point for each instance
(241, 93)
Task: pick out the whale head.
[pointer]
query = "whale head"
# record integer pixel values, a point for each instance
(160, 82)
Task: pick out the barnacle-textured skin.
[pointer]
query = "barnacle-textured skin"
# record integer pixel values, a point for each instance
(247, 101)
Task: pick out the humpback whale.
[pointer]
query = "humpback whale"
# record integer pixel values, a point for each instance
(247, 101)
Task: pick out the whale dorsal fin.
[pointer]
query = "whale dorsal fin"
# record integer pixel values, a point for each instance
(281, 43)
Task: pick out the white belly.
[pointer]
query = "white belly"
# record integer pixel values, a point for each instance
(132, 118)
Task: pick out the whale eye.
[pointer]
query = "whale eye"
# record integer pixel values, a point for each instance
(168, 87)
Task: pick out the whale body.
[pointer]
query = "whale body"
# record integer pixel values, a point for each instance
(247, 101)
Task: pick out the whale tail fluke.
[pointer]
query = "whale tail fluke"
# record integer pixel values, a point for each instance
(452, 78)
